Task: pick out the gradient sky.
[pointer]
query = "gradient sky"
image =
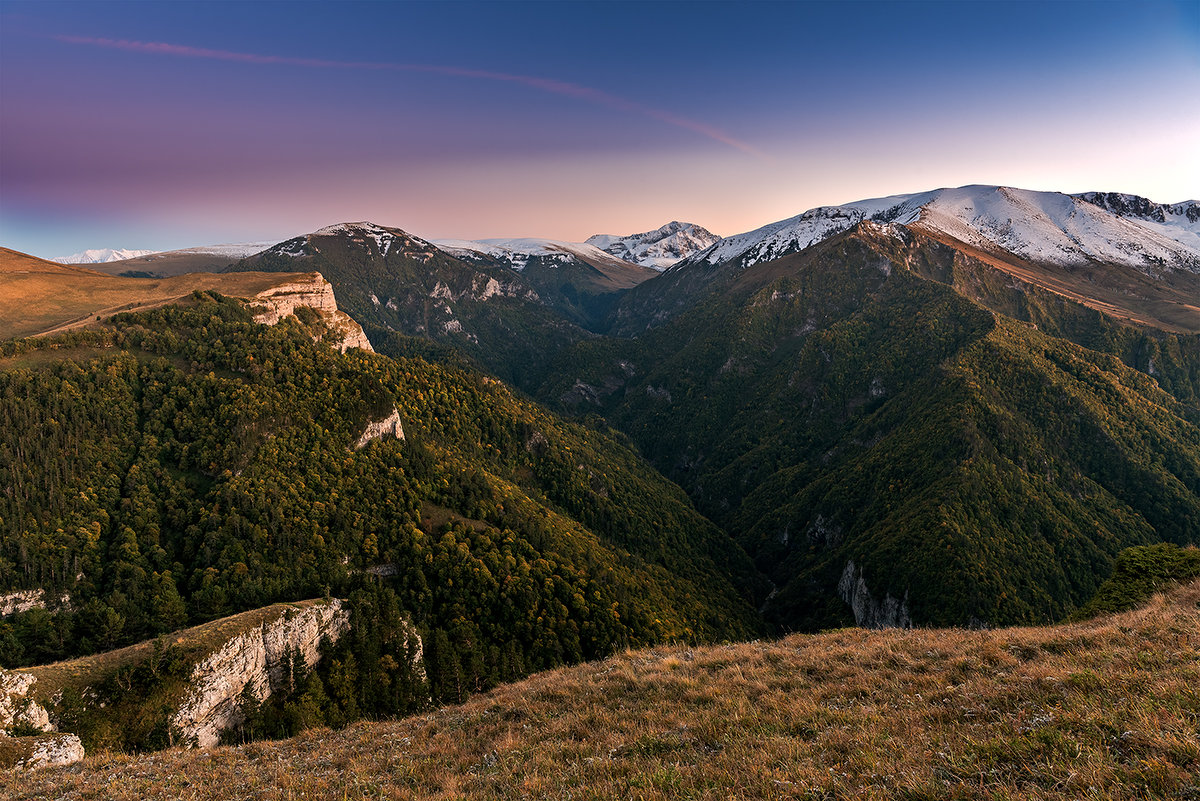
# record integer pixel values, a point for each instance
(164, 125)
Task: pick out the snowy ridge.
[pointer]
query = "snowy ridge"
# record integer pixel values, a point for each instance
(804, 230)
(235, 250)
(1046, 227)
(1178, 221)
(1053, 228)
(102, 256)
(517, 252)
(660, 248)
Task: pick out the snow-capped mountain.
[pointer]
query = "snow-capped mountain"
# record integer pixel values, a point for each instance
(386, 240)
(516, 253)
(102, 256)
(1045, 227)
(660, 248)
(797, 233)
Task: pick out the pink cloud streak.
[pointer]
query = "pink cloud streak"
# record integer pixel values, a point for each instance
(549, 85)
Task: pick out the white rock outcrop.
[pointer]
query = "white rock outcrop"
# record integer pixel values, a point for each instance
(389, 426)
(891, 613)
(56, 749)
(278, 302)
(16, 707)
(258, 658)
(12, 603)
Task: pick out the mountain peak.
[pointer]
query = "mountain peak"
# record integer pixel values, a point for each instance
(1045, 227)
(387, 240)
(657, 249)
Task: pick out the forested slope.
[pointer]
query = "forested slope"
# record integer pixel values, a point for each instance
(885, 410)
(185, 463)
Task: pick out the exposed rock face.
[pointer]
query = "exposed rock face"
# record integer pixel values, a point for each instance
(278, 302)
(21, 601)
(16, 707)
(891, 613)
(259, 659)
(55, 749)
(387, 427)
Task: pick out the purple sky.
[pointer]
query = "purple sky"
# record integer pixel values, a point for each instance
(144, 125)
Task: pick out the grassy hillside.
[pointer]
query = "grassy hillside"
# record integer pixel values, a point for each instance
(1105, 708)
(865, 401)
(38, 296)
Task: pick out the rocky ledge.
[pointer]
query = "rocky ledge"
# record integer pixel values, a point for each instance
(278, 302)
(258, 659)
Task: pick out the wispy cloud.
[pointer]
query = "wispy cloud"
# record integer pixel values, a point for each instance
(587, 94)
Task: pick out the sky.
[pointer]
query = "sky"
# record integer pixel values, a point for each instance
(160, 125)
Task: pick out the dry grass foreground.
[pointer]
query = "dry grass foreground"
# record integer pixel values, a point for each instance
(41, 297)
(1108, 708)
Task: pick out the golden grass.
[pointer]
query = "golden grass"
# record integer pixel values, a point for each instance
(1108, 708)
(41, 297)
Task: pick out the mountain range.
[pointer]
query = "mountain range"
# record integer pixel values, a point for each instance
(953, 408)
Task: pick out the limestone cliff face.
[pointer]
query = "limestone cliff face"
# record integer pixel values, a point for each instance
(890, 613)
(16, 707)
(257, 659)
(388, 427)
(278, 302)
(42, 751)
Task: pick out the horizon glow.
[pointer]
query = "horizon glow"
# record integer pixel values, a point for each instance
(163, 126)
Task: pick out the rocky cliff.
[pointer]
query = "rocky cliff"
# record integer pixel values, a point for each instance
(278, 302)
(390, 426)
(40, 751)
(12, 603)
(890, 613)
(258, 659)
(20, 713)
(17, 708)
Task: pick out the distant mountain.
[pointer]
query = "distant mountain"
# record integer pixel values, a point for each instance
(579, 280)
(517, 253)
(660, 248)
(205, 258)
(1132, 268)
(101, 256)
